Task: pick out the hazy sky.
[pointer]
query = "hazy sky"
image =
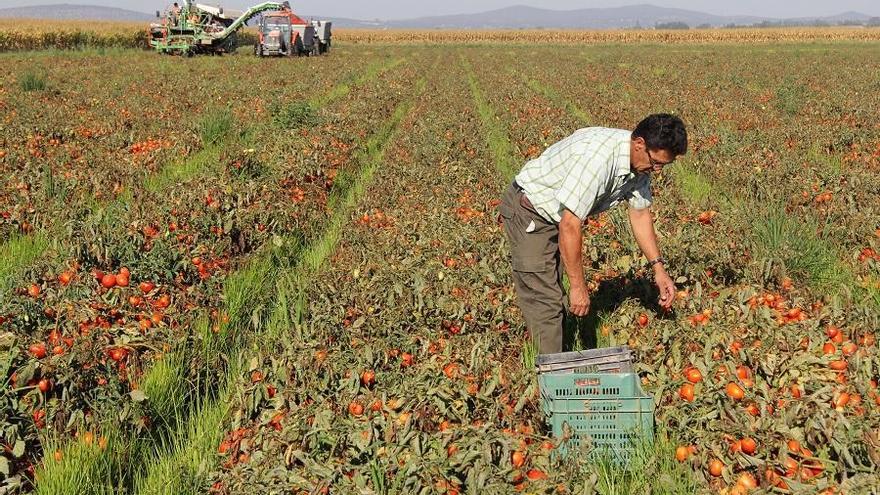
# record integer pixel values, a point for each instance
(397, 9)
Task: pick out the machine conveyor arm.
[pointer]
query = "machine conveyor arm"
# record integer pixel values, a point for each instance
(256, 9)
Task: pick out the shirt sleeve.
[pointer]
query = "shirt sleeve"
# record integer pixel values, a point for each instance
(580, 189)
(641, 196)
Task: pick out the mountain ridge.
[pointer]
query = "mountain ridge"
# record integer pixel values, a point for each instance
(512, 17)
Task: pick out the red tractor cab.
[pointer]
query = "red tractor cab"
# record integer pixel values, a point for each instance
(284, 33)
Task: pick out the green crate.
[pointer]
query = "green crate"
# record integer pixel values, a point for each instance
(606, 413)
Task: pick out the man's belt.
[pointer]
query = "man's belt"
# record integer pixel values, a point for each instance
(523, 199)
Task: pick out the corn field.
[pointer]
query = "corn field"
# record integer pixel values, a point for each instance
(18, 34)
(608, 36)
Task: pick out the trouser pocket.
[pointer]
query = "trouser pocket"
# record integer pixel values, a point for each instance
(530, 263)
(534, 244)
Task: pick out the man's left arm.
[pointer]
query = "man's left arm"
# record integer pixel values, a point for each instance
(642, 223)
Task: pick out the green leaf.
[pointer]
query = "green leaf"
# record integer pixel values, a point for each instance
(27, 372)
(4, 466)
(7, 341)
(138, 395)
(18, 449)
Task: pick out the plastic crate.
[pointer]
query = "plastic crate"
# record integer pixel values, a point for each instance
(607, 414)
(605, 360)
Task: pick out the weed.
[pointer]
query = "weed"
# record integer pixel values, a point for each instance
(294, 115)
(215, 126)
(790, 97)
(31, 81)
(692, 184)
(792, 247)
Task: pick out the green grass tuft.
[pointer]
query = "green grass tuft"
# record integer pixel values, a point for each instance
(692, 184)
(529, 354)
(16, 253)
(792, 247)
(83, 469)
(345, 195)
(215, 126)
(186, 452)
(652, 469)
(31, 81)
(295, 115)
(166, 387)
(790, 97)
(874, 294)
(183, 171)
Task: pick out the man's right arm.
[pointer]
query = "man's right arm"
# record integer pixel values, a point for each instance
(570, 249)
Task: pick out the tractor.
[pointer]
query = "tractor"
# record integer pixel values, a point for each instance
(286, 34)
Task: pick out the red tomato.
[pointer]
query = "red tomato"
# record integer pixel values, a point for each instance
(108, 281)
(38, 350)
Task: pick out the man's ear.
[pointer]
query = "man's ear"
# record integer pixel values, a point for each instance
(640, 143)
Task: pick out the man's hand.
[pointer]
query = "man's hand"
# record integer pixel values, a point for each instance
(667, 287)
(570, 242)
(643, 229)
(579, 301)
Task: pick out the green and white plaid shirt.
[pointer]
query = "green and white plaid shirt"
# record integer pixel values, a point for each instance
(586, 173)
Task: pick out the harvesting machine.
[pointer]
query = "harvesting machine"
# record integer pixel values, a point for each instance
(192, 28)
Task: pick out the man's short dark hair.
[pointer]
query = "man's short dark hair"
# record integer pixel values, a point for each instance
(663, 131)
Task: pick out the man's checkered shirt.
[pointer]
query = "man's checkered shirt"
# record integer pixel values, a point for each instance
(586, 173)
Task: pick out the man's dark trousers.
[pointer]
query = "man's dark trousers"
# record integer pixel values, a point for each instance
(534, 257)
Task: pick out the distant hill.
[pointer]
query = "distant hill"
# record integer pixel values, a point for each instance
(524, 17)
(76, 12)
(515, 17)
(836, 19)
(99, 13)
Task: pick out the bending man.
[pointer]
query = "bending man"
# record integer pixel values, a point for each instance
(545, 207)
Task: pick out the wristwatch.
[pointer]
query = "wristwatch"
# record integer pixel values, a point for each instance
(654, 261)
